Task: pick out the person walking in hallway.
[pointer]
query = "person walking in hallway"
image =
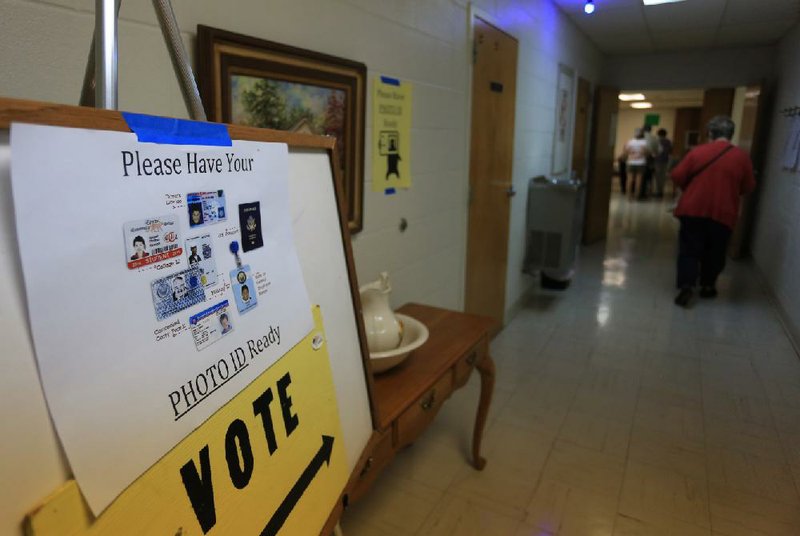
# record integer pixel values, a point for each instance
(636, 159)
(712, 176)
(622, 166)
(662, 161)
(653, 148)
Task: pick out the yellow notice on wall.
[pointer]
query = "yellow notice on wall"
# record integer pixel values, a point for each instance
(269, 462)
(391, 134)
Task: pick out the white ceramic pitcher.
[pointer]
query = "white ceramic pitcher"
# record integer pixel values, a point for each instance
(384, 330)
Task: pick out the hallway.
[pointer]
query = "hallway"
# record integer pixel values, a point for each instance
(616, 412)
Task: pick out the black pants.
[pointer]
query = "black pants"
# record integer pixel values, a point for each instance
(647, 177)
(703, 245)
(623, 174)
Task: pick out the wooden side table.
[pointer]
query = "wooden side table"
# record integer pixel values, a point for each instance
(407, 398)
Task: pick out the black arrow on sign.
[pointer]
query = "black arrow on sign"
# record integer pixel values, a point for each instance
(291, 499)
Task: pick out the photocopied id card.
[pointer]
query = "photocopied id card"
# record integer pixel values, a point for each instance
(244, 289)
(210, 325)
(176, 292)
(201, 255)
(205, 208)
(151, 240)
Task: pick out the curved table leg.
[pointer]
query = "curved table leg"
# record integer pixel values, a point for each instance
(486, 369)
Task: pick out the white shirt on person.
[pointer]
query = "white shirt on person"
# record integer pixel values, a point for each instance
(637, 151)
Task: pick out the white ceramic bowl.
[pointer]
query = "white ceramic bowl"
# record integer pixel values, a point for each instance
(415, 333)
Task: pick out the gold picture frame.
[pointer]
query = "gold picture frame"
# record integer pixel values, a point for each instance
(254, 82)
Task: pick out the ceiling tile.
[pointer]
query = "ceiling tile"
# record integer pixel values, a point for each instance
(747, 11)
(576, 6)
(623, 49)
(683, 40)
(757, 33)
(612, 21)
(630, 43)
(682, 15)
(683, 25)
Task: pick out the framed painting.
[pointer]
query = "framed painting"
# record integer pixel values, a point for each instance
(249, 81)
(563, 128)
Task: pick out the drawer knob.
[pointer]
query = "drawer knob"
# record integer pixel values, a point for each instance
(473, 357)
(427, 402)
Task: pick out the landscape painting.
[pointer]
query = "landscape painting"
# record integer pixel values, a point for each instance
(248, 81)
(281, 105)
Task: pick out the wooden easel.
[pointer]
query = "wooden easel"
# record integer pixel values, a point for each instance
(142, 505)
(100, 82)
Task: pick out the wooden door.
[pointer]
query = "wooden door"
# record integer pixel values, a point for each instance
(579, 147)
(601, 164)
(716, 101)
(687, 120)
(494, 79)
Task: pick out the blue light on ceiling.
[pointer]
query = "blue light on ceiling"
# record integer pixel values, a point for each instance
(588, 7)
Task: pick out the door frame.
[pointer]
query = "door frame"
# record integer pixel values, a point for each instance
(473, 12)
(587, 130)
(590, 233)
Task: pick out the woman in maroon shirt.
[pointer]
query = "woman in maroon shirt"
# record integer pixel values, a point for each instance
(712, 176)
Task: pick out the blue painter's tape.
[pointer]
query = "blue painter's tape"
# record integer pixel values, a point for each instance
(390, 191)
(152, 129)
(390, 81)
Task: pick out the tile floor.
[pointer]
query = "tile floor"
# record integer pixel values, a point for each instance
(615, 412)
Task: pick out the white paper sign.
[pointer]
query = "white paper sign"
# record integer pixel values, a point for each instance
(139, 341)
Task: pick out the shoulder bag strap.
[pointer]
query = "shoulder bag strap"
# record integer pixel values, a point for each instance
(705, 166)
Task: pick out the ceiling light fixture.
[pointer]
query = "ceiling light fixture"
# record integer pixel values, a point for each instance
(656, 2)
(631, 96)
(588, 7)
(641, 105)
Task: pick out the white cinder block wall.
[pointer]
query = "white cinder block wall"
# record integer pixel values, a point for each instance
(45, 44)
(727, 67)
(776, 246)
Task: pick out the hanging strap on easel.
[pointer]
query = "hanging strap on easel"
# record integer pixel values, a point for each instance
(101, 80)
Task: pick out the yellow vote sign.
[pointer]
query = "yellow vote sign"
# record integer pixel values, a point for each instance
(391, 133)
(269, 462)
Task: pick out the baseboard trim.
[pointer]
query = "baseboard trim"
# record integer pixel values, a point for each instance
(792, 331)
(518, 304)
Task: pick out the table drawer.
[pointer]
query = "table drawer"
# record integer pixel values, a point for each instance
(464, 366)
(379, 458)
(413, 421)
